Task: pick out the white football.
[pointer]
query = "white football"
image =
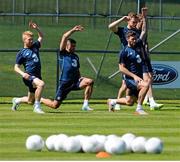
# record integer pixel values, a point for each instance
(72, 144)
(89, 144)
(59, 143)
(115, 146)
(128, 138)
(99, 141)
(34, 143)
(138, 144)
(154, 145)
(50, 141)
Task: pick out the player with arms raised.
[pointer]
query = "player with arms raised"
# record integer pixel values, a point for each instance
(28, 56)
(70, 78)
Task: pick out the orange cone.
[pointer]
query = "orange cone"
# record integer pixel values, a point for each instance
(103, 155)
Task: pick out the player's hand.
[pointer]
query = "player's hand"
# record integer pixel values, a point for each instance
(126, 18)
(26, 76)
(78, 28)
(33, 25)
(144, 11)
(138, 79)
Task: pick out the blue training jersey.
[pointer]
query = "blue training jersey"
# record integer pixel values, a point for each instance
(30, 59)
(69, 66)
(122, 31)
(133, 61)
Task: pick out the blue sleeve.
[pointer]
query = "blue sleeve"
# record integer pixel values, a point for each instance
(119, 32)
(19, 58)
(145, 67)
(37, 44)
(122, 57)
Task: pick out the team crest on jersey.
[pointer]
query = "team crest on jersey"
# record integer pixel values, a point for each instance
(27, 53)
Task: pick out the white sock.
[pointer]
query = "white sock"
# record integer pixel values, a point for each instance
(18, 100)
(151, 101)
(113, 101)
(37, 103)
(139, 107)
(85, 103)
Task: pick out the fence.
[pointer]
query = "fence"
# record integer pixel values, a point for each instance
(94, 13)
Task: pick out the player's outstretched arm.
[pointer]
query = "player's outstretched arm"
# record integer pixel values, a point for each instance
(144, 23)
(114, 25)
(68, 34)
(33, 25)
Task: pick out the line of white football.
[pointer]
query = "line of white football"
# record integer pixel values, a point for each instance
(112, 144)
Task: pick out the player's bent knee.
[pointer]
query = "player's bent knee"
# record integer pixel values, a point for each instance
(56, 104)
(89, 81)
(130, 102)
(42, 84)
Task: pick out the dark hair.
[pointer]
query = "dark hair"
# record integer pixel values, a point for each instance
(71, 40)
(130, 33)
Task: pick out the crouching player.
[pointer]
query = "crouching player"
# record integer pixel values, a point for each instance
(28, 56)
(70, 78)
(132, 65)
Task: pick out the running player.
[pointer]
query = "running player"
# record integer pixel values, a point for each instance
(28, 56)
(70, 78)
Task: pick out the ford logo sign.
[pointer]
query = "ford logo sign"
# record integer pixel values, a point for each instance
(163, 74)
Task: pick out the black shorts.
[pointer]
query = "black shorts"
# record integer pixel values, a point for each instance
(149, 66)
(29, 83)
(65, 87)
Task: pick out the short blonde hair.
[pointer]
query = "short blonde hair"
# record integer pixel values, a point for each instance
(133, 15)
(27, 33)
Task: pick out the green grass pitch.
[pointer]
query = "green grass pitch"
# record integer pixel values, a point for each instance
(15, 127)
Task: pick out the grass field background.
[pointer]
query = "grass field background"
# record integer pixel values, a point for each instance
(15, 127)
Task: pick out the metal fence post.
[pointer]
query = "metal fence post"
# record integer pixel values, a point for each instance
(57, 11)
(160, 15)
(57, 70)
(13, 10)
(94, 18)
(110, 10)
(24, 11)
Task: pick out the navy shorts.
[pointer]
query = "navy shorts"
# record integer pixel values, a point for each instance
(149, 66)
(29, 84)
(65, 87)
(132, 85)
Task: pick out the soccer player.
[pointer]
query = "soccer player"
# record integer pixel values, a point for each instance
(131, 20)
(149, 99)
(28, 56)
(70, 77)
(132, 65)
(133, 24)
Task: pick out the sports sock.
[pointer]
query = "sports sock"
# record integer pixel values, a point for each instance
(17, 100)
(151, 101)
(85, 103)
(113, 101)
(139, 107)
(37, 103)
